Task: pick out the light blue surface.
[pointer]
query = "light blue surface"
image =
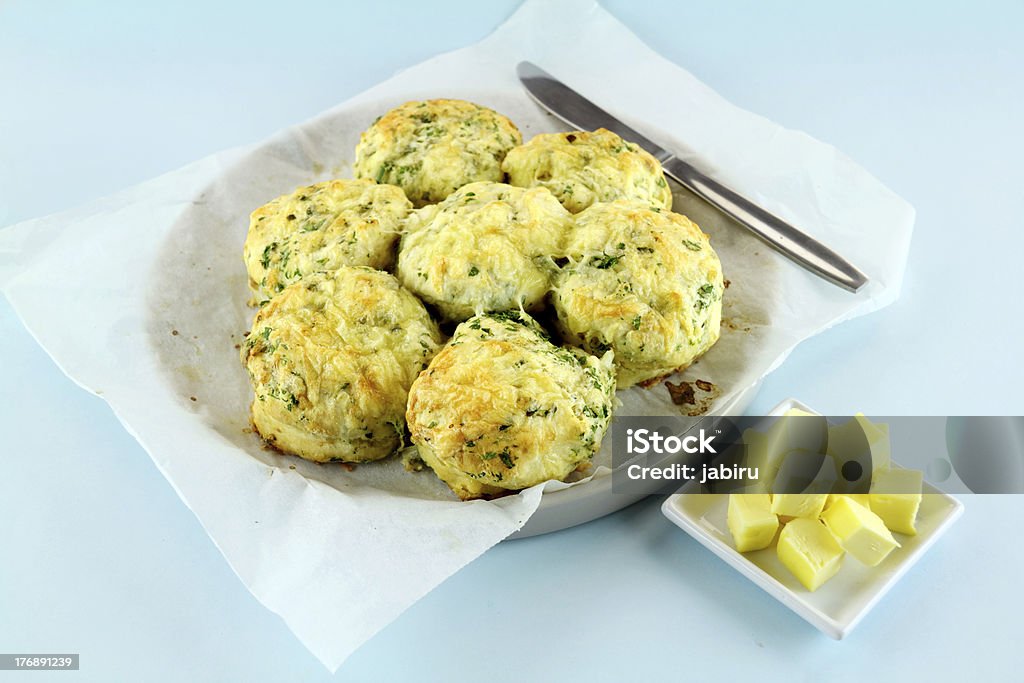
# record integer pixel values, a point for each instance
(98, 555)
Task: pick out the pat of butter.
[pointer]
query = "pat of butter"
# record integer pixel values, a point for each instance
(810, 551)
(859, 531)
(798, 413)
(759, 455)
(751, 521)
(895, 497)
(807, 472)
(862, 498)
(845, 441)
(799, 504)
(796, 430)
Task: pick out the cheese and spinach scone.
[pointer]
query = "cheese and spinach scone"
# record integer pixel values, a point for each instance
(642, 282)
(432, 148)
(500, 408)
(320, 228)
(582, 168)
(487, 247)
(331, 359)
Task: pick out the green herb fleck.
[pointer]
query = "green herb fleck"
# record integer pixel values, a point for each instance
(265, 259)
(604, 261)
(384, 170)
(705, 295)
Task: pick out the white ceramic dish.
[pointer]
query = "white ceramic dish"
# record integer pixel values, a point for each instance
(839, 605)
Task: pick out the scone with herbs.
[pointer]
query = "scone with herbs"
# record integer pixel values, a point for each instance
(487, 247)
(331, 359)
(320, 228)
(642, 282)
(500, 408)
(582, 168)
(432, 148)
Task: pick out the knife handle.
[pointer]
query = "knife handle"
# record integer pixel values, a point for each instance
(780, 235)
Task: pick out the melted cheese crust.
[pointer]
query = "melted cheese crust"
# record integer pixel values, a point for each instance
(644, 283)
(331, 360)
(582, 168)
(501, 408)
(320, 228)
(432, 148)
(487, 247)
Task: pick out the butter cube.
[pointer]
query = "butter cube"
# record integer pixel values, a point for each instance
(759, 455)
(809, 550)
(767, 450)
(858, 439)
(751, 521)
(803, 471)
(859, 531)
(798, 429)
(799, 504)
(862, 498)
(895, 497)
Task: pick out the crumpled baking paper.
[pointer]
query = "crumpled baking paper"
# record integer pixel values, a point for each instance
(140, 298)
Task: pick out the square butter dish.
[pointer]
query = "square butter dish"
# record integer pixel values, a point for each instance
(839, 605)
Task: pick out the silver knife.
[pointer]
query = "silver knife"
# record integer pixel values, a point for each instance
(578, 111)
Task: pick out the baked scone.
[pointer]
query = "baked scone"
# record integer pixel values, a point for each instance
(642, 282)
(487, 247)
(432, 148)
(582, 168)
(320, 228)
(501, 408)
(331, 360)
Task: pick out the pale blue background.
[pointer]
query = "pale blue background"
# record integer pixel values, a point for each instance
(98, 556)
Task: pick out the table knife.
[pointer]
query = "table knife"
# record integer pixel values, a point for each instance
(578, 111)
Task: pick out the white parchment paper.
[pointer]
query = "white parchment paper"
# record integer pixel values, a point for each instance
(139, 298)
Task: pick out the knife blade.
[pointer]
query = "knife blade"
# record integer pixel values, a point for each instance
(798, 246)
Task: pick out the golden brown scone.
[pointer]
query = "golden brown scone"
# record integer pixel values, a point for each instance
(432, 148)
(322, 227)
(487, 247)
(501, 408)
(583, 168)
(331, 359)
(642, 282)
